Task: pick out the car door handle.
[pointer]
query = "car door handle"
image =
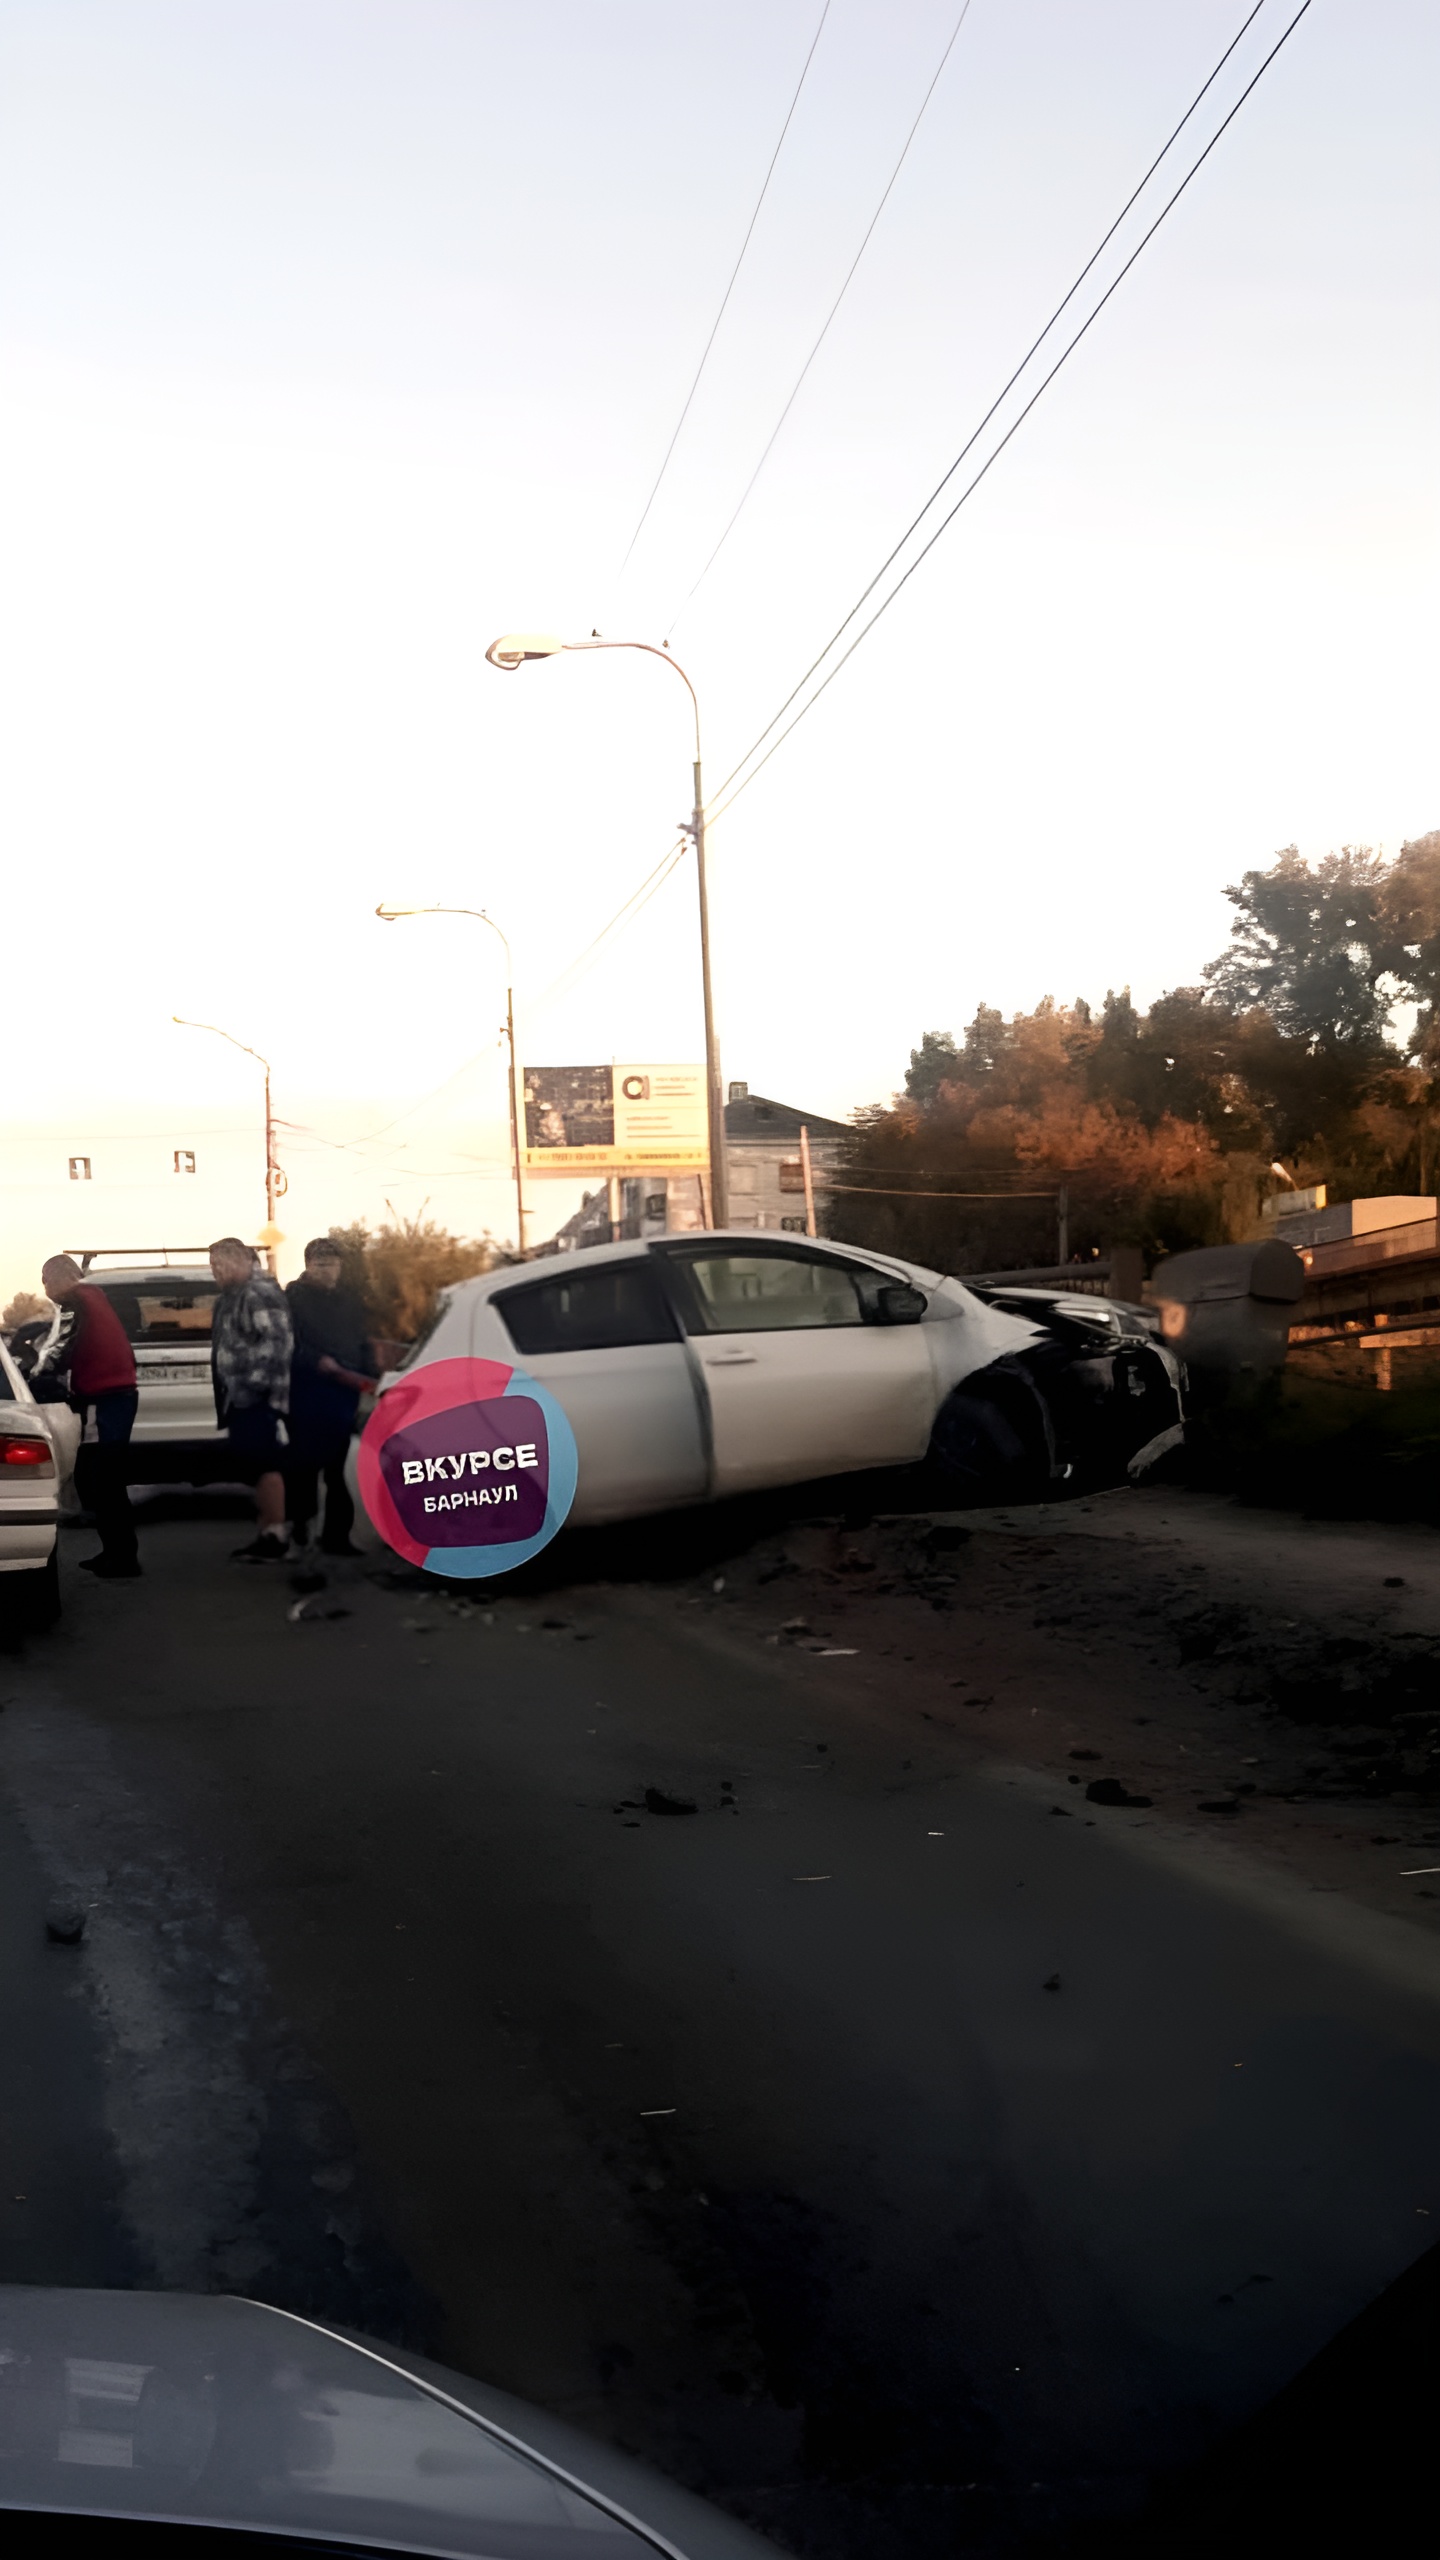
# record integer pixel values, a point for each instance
(729, 1359)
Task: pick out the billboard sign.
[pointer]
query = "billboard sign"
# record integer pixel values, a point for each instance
(615, 1119)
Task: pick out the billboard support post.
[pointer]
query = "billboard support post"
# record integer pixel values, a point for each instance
(714, 1095)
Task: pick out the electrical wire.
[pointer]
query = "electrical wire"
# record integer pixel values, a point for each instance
(729, 289)
(967, 447)
(653, 882)
(825, 329)
(881, 1191)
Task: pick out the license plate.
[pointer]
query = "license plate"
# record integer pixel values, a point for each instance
(154, 1375)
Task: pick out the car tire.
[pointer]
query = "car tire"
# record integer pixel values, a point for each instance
(986, 1450)
(32, 1600)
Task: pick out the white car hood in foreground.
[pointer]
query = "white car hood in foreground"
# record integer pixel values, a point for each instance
(212, 2411)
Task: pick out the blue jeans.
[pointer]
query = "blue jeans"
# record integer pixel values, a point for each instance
(101, 1473)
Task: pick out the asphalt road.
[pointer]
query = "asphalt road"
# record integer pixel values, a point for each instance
(906, 2168)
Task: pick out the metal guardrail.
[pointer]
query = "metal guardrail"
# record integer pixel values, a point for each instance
(1080, 1279)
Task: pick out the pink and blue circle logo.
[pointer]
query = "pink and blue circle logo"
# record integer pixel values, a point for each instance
(467, 1467)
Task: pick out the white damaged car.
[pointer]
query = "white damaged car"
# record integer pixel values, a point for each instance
(695, 1367)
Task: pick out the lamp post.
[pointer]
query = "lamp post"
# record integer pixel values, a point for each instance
(392, 915)
(508, 653)
(275, 1183)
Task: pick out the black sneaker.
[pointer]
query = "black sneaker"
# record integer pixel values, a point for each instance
(268, 1548)
(107, 1569)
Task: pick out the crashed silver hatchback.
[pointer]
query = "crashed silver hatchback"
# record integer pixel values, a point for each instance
(225, 2416)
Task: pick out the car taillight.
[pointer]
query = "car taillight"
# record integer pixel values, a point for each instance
(17, 1450)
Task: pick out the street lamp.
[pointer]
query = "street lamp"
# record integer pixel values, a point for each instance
(391, 915)
(514, 649)
(275, 1182)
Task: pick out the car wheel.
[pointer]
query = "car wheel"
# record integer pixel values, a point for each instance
(983, 1451)
(32, 1600)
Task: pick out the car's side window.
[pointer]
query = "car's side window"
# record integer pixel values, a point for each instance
(739, 1292)
(607, 1310)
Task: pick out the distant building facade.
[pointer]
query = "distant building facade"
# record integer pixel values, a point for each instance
(762, 1152)
(767, 1180)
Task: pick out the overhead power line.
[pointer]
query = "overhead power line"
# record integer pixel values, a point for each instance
(883, 1191)
(639, 898)
(834, 307)
(729, 289)
(722, 802)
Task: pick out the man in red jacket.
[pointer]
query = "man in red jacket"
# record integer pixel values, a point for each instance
(91, 1349)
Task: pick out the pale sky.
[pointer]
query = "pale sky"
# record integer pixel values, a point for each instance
(338, 337)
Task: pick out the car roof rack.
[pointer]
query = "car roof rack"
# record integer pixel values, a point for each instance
(163, 1254)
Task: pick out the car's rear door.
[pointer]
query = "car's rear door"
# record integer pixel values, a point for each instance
(800, 1381)
(607, 1343)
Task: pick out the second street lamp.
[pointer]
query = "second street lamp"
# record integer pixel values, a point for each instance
(514, 649)
(391, 915)
(275, 1182)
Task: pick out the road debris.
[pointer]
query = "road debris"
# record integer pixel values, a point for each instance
(1110, 1791)
(657, 1801)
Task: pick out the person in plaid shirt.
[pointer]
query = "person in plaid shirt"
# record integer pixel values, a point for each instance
(250, 1346)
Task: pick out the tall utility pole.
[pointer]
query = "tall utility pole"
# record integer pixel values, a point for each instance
(512, 651)
(275, 1184)
(714, 1094)
(392, 915)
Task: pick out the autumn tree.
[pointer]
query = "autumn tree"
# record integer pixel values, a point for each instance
(1316, 947)
(1163, 1125)
(1412, 899)
(24, 1308)
(400, 1268)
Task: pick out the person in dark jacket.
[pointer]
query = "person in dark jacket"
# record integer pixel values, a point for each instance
(90, 1349)
(331, 1368)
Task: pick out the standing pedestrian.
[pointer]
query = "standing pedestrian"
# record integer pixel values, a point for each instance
(250, 1363)
(332, 1366)
(90, 1348)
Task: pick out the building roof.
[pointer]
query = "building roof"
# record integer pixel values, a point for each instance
(756, 1118)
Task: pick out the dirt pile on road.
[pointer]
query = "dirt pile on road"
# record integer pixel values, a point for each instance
(1196, 1697)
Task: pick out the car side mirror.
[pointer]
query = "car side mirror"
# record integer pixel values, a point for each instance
(898, 1303)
